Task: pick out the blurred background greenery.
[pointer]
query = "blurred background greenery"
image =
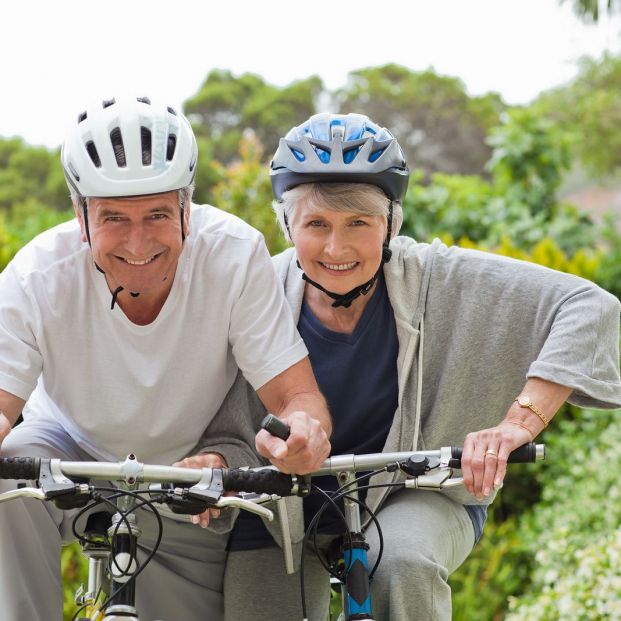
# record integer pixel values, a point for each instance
(538, 182)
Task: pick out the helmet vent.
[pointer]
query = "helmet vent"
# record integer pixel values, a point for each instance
(106, 103)
(145, 140)
(172, 144)
(92, 153)
(171, 110)
(144, 100)
(82, 117)
(119, 150)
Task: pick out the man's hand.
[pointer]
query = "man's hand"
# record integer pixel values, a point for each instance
(304, 451)
(207, 460)
(294, 397)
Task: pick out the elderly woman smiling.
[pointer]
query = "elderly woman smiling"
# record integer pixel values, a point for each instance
(414, 345)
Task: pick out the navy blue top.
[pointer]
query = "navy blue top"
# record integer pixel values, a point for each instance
(357, 374)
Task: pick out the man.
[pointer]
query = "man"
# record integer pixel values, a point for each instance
(122, 331)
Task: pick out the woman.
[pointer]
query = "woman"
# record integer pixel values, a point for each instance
(414, 346)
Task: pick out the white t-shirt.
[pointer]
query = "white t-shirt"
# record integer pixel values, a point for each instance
(120, 388)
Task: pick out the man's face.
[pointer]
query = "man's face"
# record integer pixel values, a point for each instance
(136, 241)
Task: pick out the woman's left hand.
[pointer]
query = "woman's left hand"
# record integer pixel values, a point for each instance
(485, 454)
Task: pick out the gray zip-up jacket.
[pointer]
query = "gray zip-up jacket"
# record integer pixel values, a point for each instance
(472, 327)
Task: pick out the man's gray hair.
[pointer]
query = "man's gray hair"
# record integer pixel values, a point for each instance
(184, 196)
(361, 198)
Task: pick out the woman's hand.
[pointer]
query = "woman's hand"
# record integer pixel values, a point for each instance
(207, 460)
(484, 459)
(485, 454)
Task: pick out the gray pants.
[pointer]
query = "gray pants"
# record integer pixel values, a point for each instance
(183, 581)
(426, 537)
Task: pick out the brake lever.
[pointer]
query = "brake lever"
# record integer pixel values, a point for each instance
(239, 503)
(440, 479)
(23, 492)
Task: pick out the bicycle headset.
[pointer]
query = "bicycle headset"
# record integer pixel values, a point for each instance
(128, 146)
(341, 148)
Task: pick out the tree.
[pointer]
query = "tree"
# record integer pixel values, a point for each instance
(439, 126)
(590, 108)
(589, 10)
(245, 191)
(227, 107)
(30, 173)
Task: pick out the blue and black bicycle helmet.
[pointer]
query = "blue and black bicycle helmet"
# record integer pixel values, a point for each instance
(346, 148)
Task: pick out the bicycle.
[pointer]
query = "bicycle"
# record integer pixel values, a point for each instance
(113, 567)
(110, 538)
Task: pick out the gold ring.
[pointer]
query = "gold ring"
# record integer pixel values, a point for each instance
(491, 452)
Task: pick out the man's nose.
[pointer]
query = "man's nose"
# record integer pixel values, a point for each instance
(135, 240)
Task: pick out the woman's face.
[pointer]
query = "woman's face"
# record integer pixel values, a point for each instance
(339, 250)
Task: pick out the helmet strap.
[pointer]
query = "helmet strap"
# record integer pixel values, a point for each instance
(182, 206)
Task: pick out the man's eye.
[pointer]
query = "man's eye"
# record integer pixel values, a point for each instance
(315, 223)
(359, 223)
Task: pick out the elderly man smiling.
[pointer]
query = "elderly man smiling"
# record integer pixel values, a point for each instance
(122, 331)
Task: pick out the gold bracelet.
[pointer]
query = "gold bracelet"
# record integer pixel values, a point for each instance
(515, 422)
(524, 401)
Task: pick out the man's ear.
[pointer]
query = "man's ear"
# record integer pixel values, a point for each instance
(186, 219)
(79, 214)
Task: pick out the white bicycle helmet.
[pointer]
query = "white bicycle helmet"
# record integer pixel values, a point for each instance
(346, 148)
(129, 146)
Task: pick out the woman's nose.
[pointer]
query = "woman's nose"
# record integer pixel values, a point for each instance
(335, 243)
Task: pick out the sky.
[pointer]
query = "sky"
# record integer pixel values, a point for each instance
(57, 56)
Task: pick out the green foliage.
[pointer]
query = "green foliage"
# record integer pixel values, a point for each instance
(74, 569)
(608, 273)
(574, 532)
(441, 127)
(497, 568)
(528, 160)
(245, 190)
(30, 173)
(9, 244)
(590, 109)
(589, 10)
(518, 203)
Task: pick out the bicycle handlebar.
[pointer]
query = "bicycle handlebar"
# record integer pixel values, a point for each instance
(265, 480)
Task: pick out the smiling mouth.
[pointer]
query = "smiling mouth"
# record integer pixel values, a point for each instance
(139, 261)
(339, 267)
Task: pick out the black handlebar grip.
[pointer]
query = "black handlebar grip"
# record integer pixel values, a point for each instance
(19, 467)
(276, 427)
(259, 481)
(524, 454)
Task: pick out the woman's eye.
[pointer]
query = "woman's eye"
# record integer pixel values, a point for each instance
(359, 223)
(315, 223)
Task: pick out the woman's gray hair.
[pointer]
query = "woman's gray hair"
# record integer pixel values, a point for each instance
(184, 196)
(360, 198)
